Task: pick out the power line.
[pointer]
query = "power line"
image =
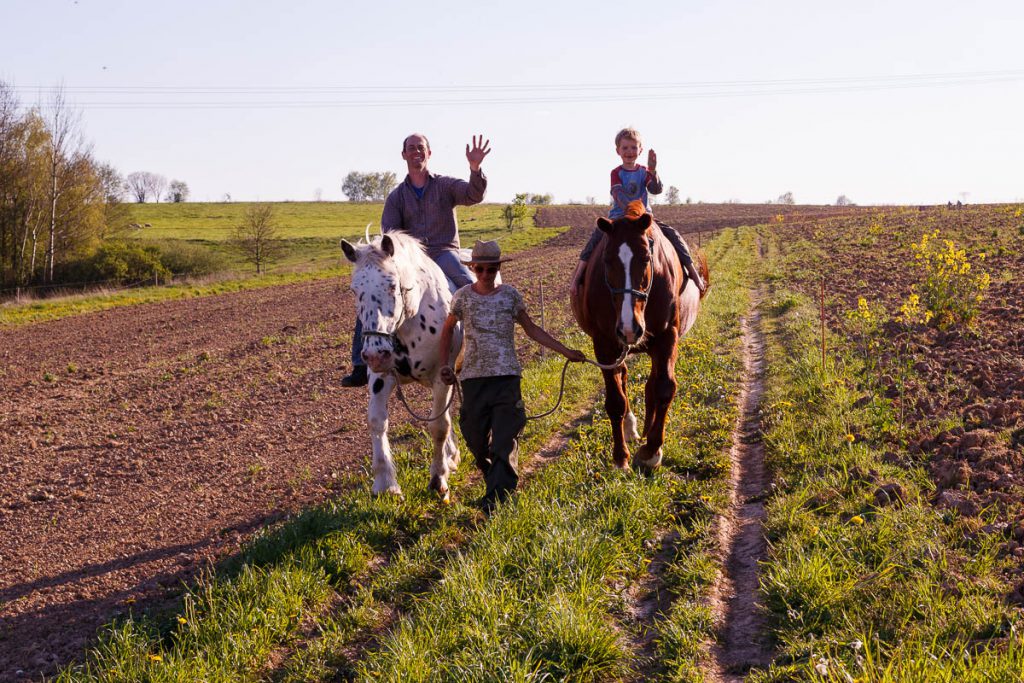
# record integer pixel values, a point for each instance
(284, 97)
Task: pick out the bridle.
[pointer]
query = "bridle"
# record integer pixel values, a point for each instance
(392, 336)
(640, 294)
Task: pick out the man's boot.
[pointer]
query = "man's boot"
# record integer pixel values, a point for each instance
(357, 378)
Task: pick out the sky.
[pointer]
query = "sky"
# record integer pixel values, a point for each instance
(885, 102)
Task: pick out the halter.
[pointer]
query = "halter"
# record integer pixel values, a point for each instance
(640, 294)
(393, 336)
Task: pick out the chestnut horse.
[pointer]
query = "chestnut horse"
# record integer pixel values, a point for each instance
(636, 298)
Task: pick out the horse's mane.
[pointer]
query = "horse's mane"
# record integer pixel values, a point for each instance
(410, 259)
(405, 245)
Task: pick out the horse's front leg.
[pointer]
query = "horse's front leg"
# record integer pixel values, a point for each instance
(384, 474)
(658, 394)
(446, 451)
(615, 404)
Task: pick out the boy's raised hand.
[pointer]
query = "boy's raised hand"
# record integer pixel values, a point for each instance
(652, 160)
(476, 155)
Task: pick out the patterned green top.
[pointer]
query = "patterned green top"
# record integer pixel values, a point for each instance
(488, 322)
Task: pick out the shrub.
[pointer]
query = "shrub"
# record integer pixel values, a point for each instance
(186, 258)
(951, 290)
(118, 262)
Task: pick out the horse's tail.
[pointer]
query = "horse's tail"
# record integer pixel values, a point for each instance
(701, 261)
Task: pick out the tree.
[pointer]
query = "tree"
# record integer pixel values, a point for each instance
(539, 199)
(256, 239)
(353, 187)
(135, 185)
(843, 200)
(177, 192)
(786, 198)
(143, 185)
(116, 215)
(368, 187)
(157, 185)
(53, 197)
(672, 195)
(514, 213)
(381, 185)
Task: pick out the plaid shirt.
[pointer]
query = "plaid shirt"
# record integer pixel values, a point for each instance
(432, 219)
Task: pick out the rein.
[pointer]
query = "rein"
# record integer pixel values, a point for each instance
(457, 390)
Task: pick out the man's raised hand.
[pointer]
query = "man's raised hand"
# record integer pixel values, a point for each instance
(475, 156)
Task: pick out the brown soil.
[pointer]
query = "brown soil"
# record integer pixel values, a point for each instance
(974, 375)
(743, 637)
(138, 445)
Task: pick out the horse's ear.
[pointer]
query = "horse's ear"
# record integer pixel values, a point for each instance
(350, 251)
(604, 225)
(387, 246)
(644, 222)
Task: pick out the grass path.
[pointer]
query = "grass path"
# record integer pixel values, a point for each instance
(386, 589)
(543, 591)
(742, 628)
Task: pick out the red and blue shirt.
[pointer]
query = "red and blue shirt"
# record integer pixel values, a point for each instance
(628, 186)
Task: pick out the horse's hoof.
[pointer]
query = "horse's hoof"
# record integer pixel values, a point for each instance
(395, 490)
(622, 464)
(648, 462)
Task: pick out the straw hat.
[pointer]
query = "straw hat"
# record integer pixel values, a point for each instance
(486, 252)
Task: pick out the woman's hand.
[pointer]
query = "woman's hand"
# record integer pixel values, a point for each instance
(448, 375)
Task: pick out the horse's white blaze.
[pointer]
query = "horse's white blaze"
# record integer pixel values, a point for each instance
(626, 256)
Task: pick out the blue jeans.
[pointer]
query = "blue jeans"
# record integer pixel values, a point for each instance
(458, 276)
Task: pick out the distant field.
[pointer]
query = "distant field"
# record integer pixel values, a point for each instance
(214, 221)
(311, 230)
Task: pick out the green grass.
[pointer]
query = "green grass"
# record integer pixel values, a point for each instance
(214, 222)
(860, 589)
(704, 416)
(538, 594)
(310, 232)
(361, 551)
(536, 590)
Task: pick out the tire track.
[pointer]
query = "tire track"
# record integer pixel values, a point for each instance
(743, 641)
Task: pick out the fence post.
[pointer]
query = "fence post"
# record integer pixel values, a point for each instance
(543, 349)
(823, 326)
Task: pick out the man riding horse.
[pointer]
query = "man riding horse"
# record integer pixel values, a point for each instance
(423, 206)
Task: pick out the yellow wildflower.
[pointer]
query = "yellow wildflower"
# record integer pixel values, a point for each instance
(155, 658)
(857, 519)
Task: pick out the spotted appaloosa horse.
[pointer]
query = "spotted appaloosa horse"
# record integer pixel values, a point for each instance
(403, 300)
(635, 295)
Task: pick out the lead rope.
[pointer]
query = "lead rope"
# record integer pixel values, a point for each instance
(457, 390)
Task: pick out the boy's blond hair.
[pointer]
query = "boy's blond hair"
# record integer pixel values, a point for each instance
(631, 133)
